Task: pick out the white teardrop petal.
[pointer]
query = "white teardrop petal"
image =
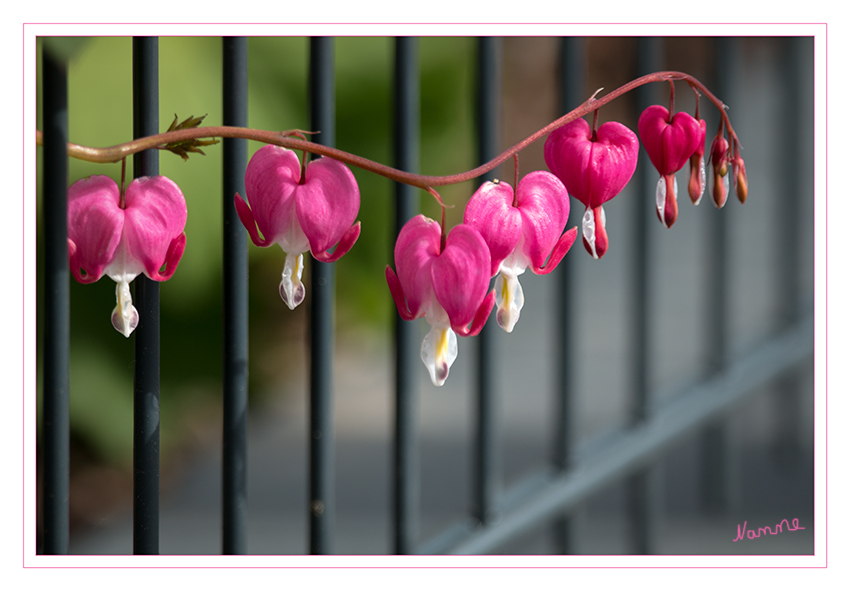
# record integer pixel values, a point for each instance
(291, 289)
(439, 351)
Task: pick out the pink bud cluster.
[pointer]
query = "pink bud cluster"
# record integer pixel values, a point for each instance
(596, 165)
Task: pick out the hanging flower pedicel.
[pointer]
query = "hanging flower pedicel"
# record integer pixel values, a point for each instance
(448, 286)
(670, 142)
(122, 237)
(312, 212)
(520, 232)
(594, 167)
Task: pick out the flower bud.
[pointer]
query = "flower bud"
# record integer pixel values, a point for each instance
(696, 184)
(720, 190)
(740, 179)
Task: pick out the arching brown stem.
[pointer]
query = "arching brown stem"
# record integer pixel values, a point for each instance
(285, 139)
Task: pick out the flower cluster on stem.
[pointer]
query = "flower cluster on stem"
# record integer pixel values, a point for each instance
(444, 277)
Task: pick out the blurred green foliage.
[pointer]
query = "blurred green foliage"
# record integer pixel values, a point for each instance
(190, 84)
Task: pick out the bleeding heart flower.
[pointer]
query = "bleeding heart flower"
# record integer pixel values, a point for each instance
(520, 232)
(447, 286)
(670, 142)
(311, 213)
(121, 240)
(594, 168)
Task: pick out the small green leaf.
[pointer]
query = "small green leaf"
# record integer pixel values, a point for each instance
(183, 147)
(189, 123)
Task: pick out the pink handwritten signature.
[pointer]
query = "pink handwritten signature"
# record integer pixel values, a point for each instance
(752, 534)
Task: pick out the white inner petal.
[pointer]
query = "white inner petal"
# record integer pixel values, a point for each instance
(701, 179)
(661, 194)
(125, 317)
(439, 351)
(291, 289)
(509, 299)
(123, 267)
(588, 228)
(293, 239)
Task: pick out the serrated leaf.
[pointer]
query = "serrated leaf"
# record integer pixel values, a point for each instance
(189, 123)
(183, 147)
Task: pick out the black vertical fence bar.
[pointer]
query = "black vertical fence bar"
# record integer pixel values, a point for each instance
(56, 394)
(649, 59)
(794, 155)
(406, 460)
(322, 109)
(714, 455)
(146, 300)
(235, 303)
(572, 94)
(485, 481)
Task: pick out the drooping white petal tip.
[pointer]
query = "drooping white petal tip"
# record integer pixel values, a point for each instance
(291, 289)
(661, 197)
(439, 351)
(702, 180)
(125, 317)
(588, 229)
(509, 300)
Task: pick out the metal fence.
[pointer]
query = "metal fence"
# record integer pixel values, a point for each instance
(654, 423)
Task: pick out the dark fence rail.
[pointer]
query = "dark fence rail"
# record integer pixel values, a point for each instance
(575, 473)
(235, 303)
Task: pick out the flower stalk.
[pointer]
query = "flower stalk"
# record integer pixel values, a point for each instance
(284, 138)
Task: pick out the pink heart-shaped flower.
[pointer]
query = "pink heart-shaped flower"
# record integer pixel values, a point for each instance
(670, 142)
(441, 285)
(144, 235)
(448, 286)
(529, 231)
(106, 239)
(593, 170)
(311, 215)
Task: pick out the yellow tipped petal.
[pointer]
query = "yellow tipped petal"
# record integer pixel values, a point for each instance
(509, 300)
(291, 289)
(439, 351)
(125, 317)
